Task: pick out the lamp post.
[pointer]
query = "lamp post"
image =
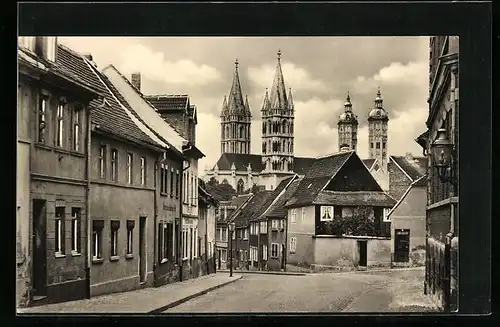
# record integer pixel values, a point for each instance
(442, 160)
(231, 230)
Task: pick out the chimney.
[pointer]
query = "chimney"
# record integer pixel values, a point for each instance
(88, 56)
(136, 81)
(409, 156)
(345, 148)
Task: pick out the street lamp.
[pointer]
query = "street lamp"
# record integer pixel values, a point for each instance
(441, 152)
(231, 230)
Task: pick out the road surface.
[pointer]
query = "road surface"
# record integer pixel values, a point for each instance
(346, 292)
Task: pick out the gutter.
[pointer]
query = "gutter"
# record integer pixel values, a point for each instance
(87, 199)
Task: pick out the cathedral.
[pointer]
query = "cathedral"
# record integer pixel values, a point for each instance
(242, 170)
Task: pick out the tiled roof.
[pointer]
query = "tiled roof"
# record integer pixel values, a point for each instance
(278, 209)
(111, 117)
(234, 204)
(168, 102)
(241, 162)
(251, 208)
(415, 167)
(362, 198)
(317, 176)
(273, 196)
(368, 162)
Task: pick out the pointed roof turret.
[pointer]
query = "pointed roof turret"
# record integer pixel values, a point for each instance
(225, 110)
(278, 98)
(265, 105)
(348, 116)
(290, 100)
(378, 112)
(348, 104)
(247, 107)
(236, 106)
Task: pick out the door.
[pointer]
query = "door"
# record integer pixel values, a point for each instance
(142, 249)
(362, 250)
(283, 254)
(219, 255)
(402, 245)
(39, 248)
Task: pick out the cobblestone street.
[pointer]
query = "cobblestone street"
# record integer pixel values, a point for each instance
(329, 292)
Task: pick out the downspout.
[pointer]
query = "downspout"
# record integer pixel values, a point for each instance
(258, 246)
(180, 219)
(206, 235)
(159, 160)
(87, 197)
(285, 248)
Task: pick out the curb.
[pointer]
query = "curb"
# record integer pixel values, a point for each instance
(265, 272)
(190, 297)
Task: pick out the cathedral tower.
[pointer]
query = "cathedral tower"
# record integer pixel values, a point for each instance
(377, 135)
(348, 127)
(236, 119)
(277, 130)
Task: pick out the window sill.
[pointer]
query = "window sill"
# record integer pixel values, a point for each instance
(60, 255)
(129, 256)
(164, 260)
(75, 254)
(114, 258)
(97, 261)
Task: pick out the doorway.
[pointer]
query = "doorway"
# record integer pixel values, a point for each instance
(39, 248)
(142, 249)
(402, 245)
(362, 250)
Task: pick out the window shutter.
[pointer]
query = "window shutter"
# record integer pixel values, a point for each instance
(160, 241)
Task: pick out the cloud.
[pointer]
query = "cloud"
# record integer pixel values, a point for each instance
(208, 140)
(154, 66)
(295, 77)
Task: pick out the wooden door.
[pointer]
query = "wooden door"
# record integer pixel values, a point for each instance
(402, 245)
(362, 250)
(39, 248)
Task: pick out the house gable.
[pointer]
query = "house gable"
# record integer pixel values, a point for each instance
(353, 176)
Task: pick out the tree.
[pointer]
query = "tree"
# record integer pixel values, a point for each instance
(220, 191)
(358, 224)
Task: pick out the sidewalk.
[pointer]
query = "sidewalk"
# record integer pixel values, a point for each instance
(147, 300)
(264, 272)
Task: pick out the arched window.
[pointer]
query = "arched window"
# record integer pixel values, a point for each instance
(264, 127)
(289, 147)
(269, 146)
(284, 146)
(284, 126)
(291, 128)
(227, 132)
(224, 181)
(264, 147)
(240, 188)
(242, 132)
(269, 127)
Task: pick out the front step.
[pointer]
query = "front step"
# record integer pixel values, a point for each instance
(38, 300)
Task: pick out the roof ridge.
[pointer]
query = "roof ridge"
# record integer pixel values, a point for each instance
(67, 48)
(334, 154)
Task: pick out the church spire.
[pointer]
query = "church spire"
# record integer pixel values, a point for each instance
(235, 103)
(224, 111)
(265, 105)
(290, 100)
(278, 91)
(348, 104)
(247, 107)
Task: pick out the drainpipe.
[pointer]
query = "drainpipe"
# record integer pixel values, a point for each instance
(180, 219)
(206, 235)
(87, 198)
(285, 254)
(159, 161)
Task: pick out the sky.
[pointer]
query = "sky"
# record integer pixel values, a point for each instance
(319, 70)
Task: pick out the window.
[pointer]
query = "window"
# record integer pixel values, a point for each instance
(386, 218)
(165, 241)
(282, 224)
(223, 253)
(114, 171)
(115, 225)
(42, 119)
(192, 191)
(172, 182)
(245, 235)
(274, 223)
(60, 125)
(224, 234)
(102, 162)
(130, 237)
(383, 145)
(303, 214)
(195, 243)
(371, 145)
(293, 244)
(378, 145)
(97, 226)
(75, 230)
(163, 181)
(233, 235)
(177, 184)
(274, 250)
(129, 168)
(326, 213)
(293, 215)
(59, 231)
(76, 129)
(143, 171)
(263, 227)
(264, 252)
